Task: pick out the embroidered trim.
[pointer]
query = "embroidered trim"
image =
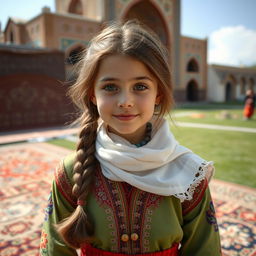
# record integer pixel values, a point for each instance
(121, 210)
(139, 202)
(211, 218)
(43, 243)
(189, 205)
(126, 216)
(103, 197)
(64, 185)
(205, 171)
(49, 208)
(151, 202)
(137, 210)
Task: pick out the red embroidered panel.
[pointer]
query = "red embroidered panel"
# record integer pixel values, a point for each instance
(64, 185)
(129, 208)
(189, 205)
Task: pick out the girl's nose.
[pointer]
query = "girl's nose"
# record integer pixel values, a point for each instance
(125, 100)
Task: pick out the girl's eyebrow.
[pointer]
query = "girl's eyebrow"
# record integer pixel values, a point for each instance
(109, 79)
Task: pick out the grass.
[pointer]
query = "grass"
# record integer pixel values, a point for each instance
(232, 152)
(229, 117)
(63, 143)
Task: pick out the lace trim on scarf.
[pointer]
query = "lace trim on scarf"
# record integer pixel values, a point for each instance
(205, 171)
(189, 205)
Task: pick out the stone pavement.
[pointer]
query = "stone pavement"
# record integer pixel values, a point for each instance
(216, 127)
(36, 135)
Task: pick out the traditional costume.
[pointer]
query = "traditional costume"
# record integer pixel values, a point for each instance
(249, 106)
(151, 201)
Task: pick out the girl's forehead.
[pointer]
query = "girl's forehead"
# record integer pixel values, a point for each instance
(122, 67)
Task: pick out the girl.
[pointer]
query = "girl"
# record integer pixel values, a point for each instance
(130, 188)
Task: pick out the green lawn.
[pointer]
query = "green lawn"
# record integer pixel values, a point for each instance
(230, 117)
(63, 143)
(232, 152)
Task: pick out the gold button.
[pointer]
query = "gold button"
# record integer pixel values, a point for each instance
(134, 236)
(125, 238)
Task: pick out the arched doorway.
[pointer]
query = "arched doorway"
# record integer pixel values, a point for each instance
(147, 13)
(230, 88)
(228, 92)
(11, 37)
(192, 91)
(75, 7)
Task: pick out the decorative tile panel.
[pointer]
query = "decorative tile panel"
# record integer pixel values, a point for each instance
(65, 43)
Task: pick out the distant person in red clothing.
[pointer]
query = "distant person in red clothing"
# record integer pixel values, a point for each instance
(249, 103)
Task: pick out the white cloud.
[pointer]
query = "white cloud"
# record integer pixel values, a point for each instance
(232, 46)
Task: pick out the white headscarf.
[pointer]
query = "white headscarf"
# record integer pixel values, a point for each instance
(161, 167)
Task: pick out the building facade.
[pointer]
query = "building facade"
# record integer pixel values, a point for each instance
(75, 22)
(229, 83)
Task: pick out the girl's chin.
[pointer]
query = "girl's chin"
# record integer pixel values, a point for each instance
(132, 135)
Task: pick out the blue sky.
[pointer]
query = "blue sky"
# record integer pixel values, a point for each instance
(229, 25)
(216, 14)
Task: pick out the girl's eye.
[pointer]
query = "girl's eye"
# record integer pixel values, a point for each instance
(110, 88)
(140, 87)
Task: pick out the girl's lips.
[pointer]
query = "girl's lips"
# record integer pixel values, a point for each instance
(125, 117)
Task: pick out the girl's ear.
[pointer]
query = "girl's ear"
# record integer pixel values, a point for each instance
(158, 99)
(93, 100)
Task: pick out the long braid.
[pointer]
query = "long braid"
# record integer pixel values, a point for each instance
(77, 229)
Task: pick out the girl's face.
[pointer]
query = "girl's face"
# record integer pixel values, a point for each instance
(125, 93)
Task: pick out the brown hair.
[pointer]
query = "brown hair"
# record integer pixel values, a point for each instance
(130, 39)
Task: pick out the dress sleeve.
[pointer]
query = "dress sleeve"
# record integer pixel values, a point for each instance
(200, 228)
(60, 206)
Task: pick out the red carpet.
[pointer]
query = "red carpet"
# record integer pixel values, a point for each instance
(25, 176)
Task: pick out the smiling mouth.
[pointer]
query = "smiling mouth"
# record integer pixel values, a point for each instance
(125, 117)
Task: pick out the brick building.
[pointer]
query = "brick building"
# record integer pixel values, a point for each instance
(75, 22)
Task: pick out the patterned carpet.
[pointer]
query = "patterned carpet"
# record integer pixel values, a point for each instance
(236, 213)
(25, 176)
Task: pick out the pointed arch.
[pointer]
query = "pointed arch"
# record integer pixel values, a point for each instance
(192, 66)
(74, 54)
(230, 88)
(75, 7)
(148, 13)
(11, 37)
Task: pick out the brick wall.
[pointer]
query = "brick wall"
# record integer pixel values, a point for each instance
(32, 89)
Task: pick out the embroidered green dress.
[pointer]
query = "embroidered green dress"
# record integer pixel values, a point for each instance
(131, 221)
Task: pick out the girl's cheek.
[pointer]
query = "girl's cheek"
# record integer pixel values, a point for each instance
(106, 101)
